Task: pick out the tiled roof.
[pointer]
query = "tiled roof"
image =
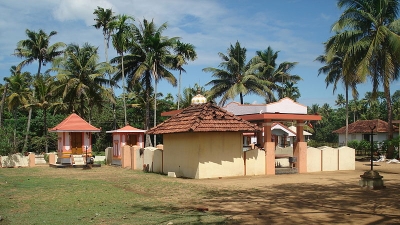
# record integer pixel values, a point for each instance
(74, 123)
(127, 129)
(364, 126)
(280, 126)
(203, 118)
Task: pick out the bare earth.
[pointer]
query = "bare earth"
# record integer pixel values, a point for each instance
(312, 198)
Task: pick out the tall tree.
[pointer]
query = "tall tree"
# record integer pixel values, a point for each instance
(340, 100)
(368, 33)
(44, 89)
(149, 60)
(314, 109)
(121, 38)
(81, 79)
(236, 76)
(20, 94)
(289, 91)
(184, 52)
(37, 48)
(333, 69)
(105, 19)
(275, 75)
(13, 71)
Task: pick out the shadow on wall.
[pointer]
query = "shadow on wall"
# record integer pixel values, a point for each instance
(14, 160)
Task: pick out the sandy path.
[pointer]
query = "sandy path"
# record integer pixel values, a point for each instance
(313, 198)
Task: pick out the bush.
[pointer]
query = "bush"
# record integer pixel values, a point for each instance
(353, 144)
(7, 141)
(364, 145)
(46, 157)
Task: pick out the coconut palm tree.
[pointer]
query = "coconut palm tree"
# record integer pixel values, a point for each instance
(289, 91)
(149, 59)
(20, 94)
(333, 69)
(105, 19)
(368, 33)
(237, 77)
(314, 109)
(121, 38)
(81, 78)
(37, 48)
(276, 75)
(44, 89)
(184, 52)
(340, 100)
(4, 89)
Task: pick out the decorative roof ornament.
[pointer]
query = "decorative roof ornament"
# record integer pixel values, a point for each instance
(199, 99)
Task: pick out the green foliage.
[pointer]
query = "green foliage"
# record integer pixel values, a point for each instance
(353, 144)
(7, 141)
(364, 145)
(46, 157)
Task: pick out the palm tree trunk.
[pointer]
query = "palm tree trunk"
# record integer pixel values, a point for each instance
(386, 87)
(179, 87)
(3, 99)
(45, 130)
(155, 108)
(347, 116)
(147, 103)
(106, 49)
(123, 86)
(241, 98)
(112, 88)
(15, 130)
(28, 126)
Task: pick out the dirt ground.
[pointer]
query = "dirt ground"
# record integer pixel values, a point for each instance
(312, 198)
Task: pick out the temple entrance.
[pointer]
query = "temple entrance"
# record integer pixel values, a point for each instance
(76, 143)
(132, 140)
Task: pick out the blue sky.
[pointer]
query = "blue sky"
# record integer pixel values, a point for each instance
(295, 28)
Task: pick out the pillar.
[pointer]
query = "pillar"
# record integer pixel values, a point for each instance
(52, 158)
(300, 149)
(269, 148)
(260, 138)
(126, 156)
(31, 158)
(135, 151)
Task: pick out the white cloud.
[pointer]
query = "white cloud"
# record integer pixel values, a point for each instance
(79, 10)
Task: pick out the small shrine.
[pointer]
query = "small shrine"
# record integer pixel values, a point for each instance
(74, 136)
(127, 135)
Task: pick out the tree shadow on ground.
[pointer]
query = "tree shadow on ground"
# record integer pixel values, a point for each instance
(338, 203)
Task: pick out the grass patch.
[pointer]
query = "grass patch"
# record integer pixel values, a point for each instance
(104, 195)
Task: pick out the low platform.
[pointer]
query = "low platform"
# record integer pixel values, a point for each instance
(285, 170)
(73, 166)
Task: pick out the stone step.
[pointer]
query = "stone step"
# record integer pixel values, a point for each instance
(79, 160)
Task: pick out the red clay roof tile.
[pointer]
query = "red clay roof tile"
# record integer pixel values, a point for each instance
(74, 123)
(365, 126)
(203, 118)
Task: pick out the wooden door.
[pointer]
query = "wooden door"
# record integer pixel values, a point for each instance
(132, 140)
(76, 143)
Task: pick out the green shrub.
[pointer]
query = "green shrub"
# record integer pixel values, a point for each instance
(353, 144)
(364, 145)
(46, 157)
